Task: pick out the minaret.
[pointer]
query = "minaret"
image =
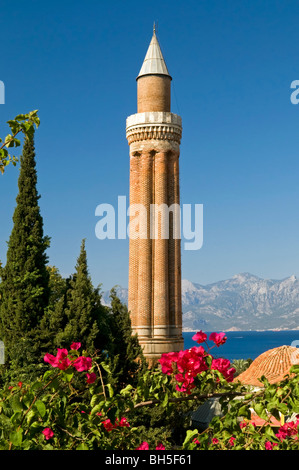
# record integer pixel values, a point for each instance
(154, 136)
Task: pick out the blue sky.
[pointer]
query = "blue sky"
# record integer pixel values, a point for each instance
(232, 65)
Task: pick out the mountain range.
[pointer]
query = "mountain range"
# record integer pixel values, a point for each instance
(244, 302)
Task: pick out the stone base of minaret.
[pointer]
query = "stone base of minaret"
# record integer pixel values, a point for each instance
(154, 348)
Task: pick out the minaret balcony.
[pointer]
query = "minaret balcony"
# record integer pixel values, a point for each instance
(156, 125)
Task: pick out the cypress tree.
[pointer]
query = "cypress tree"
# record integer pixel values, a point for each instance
(24, 287)
(84, 315)
(126, 359)
(54, 321)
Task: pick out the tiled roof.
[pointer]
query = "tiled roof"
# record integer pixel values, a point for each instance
(255, 419)
(274, 364)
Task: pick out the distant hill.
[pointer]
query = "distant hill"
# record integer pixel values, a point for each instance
(243, 302)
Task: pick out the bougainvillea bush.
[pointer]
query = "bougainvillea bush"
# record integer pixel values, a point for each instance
(71, 407)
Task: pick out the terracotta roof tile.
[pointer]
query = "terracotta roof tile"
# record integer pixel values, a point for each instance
(274, 364)
(255, 419)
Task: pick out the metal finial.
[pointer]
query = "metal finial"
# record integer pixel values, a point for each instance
(154, 28)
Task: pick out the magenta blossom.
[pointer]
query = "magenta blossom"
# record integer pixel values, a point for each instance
(61, 354)
(223, 366)
(48, 433)
(108, 425)
(187, 365)
(75, 346)
(200, 337)
(218, 338)
(82, 363)
(123, 423)
(166, 361)
(91, 378)
(60, 360)
(288, 429)
(160, 447)
(143, 446)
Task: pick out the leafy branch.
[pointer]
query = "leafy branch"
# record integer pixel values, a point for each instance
(22, 123)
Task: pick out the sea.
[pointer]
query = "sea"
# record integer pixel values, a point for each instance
(247, 344)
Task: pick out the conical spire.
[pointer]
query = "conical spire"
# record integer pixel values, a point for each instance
(154, 62)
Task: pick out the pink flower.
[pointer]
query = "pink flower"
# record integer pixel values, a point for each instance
(61, 354)
(82, 363)
(215, 440)
(166, 361)
(160, 447)
(124, 423)
(243, 424)
(288, 429)
(188, 363)
(64, 364)
(269, 445)
(231, 440)
(48, 433)
(223, 366)
(52, 360)
(199, 337)
(280, 435)
(60, 360)
(196, 441)
(75, 346)
(218, 338)
(143, 446)
(91, 378)
(108, 425)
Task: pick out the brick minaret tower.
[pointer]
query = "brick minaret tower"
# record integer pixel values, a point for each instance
(154, 135)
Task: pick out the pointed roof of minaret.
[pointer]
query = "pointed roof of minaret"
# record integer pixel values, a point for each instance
(154, 62)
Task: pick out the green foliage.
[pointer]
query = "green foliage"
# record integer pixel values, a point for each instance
(126, 358)
(80, 313)
(24, 123)
(237, 429)
(49, 413)
(54, 319)
(57, 285)
(241, 365)
(24, 285)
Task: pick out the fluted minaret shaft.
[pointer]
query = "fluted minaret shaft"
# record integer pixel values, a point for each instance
(144, 293)
(134, 243)
(174, 247)
(161, 293)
